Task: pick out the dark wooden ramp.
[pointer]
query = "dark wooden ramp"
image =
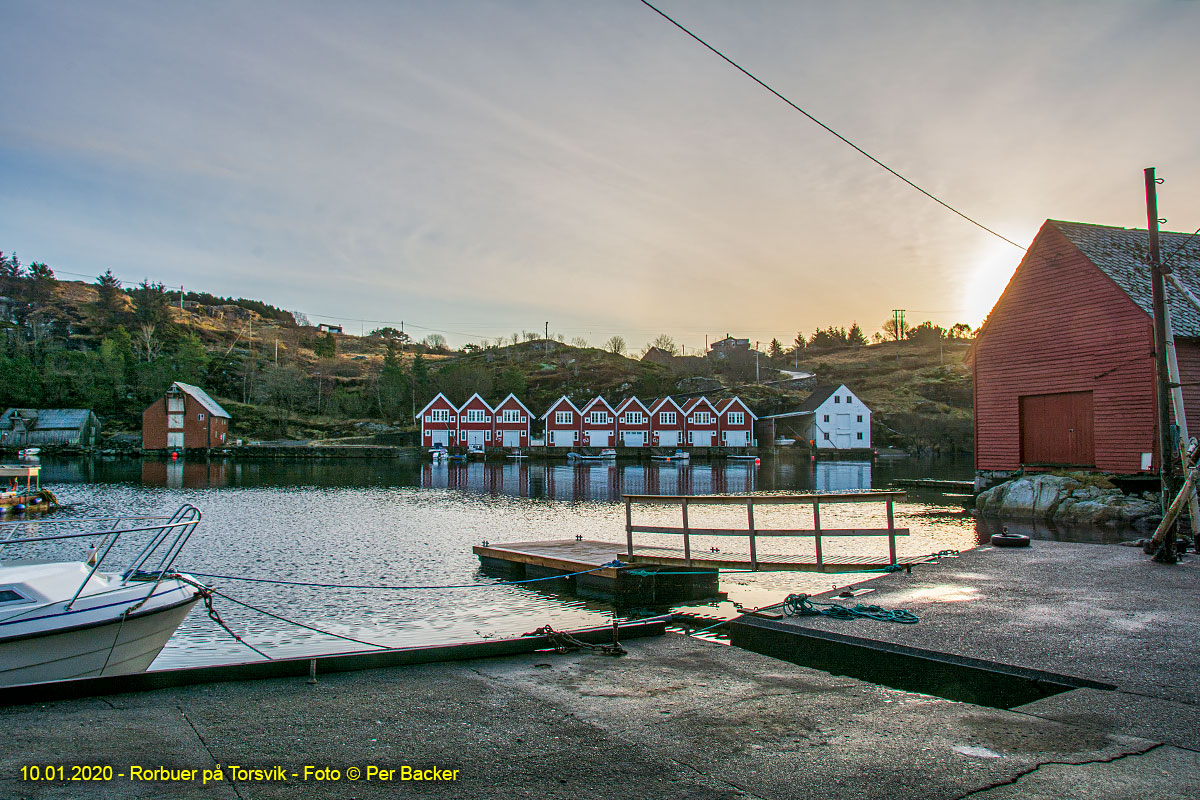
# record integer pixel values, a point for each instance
(569, 555)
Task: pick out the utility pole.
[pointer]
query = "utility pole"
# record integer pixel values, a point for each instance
(547, 334)
(756, 362)
(1166, 437)
(898, 323)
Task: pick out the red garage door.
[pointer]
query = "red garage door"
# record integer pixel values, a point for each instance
(1057, 429)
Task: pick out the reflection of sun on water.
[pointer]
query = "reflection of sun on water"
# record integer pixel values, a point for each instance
(987, 275)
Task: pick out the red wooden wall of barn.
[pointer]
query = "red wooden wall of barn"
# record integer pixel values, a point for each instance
(1063, 326)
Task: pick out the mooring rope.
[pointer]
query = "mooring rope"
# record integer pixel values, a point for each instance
(801, 605)
(609, 565)
(207, 594)
(564, 642)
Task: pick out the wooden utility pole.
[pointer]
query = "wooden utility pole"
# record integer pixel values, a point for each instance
(1166, 436)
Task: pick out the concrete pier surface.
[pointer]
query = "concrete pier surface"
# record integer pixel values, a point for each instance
(1092, 614)
(676, 718)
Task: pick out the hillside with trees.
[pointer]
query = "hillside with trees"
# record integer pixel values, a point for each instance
(115, 348)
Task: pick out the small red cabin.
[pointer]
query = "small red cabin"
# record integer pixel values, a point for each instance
(475, 424)
(700, 422)
(735, 422)
(511, 423)
(439, 422)
(563, 424)
(1064, 365)
(666, 423)
(633, 423)
(185, 417)
(599, 423)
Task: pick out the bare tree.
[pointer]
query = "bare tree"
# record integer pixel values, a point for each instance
(435, 341)
(579, 342)
(149, 341)
(615, 345)
(665, 342)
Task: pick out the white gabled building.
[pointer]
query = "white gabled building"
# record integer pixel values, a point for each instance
(840, 420)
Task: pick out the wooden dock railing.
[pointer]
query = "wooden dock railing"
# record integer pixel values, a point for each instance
(751, 531)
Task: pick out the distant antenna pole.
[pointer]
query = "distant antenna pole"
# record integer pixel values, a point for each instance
(547, 330)
(898, 324)
(1158, 301)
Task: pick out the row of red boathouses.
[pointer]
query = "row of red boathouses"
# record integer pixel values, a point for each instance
(696, 422)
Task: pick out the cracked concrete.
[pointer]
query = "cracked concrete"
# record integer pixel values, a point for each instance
(676, 718)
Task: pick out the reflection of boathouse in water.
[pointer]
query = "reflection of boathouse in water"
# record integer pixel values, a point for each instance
(601, 481)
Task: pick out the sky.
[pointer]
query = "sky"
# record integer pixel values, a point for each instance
(485, 168)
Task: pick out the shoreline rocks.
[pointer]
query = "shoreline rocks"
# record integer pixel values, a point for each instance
(1068, 500)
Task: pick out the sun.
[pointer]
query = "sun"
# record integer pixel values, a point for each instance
(988, 272)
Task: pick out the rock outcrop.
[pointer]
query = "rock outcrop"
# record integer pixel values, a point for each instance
(1068, 500)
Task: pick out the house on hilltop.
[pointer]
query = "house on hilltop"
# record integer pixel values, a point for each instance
(1063, 367)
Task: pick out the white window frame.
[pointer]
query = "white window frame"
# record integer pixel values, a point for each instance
(736, 417)
(475, 415)
(200, 417)
(563, 418)
(667, 418)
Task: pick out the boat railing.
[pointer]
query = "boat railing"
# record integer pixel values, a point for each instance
(752, 531)
(166, 538)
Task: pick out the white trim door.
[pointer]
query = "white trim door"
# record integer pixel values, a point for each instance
(475, 438)
(633, 438)
(512, 438)
(702, 438)
(668, 438)
(843, 441)
(562, 439)
(174, 438)
(597, 438)
(439, 437)
(737, 438)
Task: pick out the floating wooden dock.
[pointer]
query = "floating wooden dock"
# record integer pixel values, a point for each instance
(656, 573)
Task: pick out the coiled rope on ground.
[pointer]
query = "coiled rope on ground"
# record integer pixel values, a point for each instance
(802, 605)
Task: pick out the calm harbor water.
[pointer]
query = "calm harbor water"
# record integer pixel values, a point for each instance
(400, 523)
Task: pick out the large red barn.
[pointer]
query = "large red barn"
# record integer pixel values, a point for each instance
(1064, 364)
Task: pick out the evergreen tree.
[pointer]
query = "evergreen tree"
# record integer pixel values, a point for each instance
(776, 350)
(855, 337)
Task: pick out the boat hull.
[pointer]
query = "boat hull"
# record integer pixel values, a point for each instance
(111, 647)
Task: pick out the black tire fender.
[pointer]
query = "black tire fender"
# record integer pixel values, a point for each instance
(1010, 540)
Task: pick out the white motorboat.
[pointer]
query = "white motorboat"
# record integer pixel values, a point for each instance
(439, 453)
(607, 454)
(678, 455)
(73, 619)
(29, 452)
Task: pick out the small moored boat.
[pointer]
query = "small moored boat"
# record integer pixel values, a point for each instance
(678, 455)
(72, 619)
(29, 452)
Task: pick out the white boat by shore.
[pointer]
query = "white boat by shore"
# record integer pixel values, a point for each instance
(678, 455)
(72, 619)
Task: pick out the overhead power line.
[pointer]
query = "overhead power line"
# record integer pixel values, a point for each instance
(861, 151)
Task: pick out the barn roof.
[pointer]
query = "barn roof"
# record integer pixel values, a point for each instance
(819, 396)
(1123, 254)
(49, 419)
(201, 397)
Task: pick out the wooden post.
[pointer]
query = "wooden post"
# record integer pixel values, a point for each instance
(687, 543)
(817, 528)
(750, 520)
(629, 527)
(891, 532)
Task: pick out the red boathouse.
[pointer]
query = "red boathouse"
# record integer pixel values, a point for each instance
(1064, 364)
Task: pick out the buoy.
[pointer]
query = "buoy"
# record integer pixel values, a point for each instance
(18, 508)
(174, 455)
(1007, 539)
(757, 462)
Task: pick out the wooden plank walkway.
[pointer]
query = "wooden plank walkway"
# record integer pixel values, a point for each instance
(569, 555)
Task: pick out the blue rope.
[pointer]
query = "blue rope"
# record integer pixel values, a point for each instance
(610, 564)
(801, 605)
